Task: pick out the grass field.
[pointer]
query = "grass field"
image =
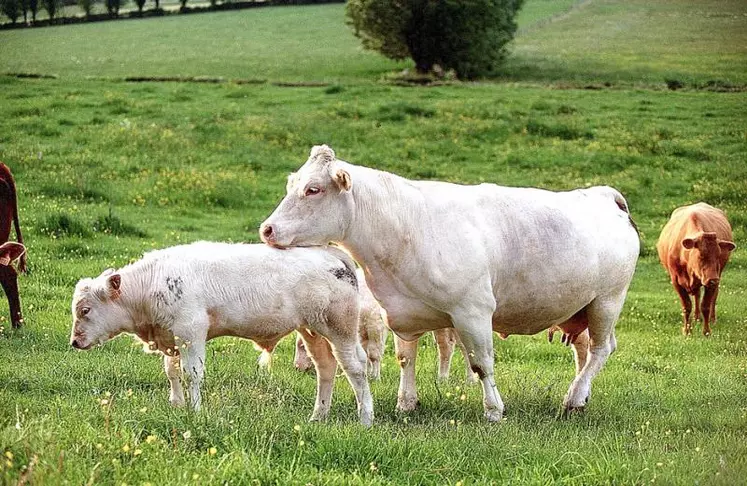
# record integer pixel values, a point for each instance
(107, 170)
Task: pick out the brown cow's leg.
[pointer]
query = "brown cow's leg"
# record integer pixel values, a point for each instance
(713, 306)
(709, 298)
(9, 281)
(696, 295)
(687, 308)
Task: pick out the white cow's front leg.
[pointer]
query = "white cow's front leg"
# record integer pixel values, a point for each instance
(193, 365)
(172, 367)
(406, 352)
(476, 333)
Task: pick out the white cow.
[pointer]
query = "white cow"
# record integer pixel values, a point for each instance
(176, 299)
(477, 258)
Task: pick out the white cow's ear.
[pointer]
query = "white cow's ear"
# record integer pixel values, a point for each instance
(114, 281)
(342, 179)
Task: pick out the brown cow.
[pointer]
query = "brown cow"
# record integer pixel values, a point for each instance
(8, 215)
(694, 247)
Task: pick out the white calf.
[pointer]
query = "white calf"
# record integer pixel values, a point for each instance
(372, 329)
(176, 299)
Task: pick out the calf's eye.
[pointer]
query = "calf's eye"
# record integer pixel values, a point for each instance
(84, 311)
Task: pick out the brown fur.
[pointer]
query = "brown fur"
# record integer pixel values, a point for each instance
(694, 247)
(8, 216)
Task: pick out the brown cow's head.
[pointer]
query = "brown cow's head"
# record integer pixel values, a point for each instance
(97, 315)
(707, 255)
(318, 205)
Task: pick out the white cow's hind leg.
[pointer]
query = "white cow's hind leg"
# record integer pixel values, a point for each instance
(476, 334)
(406, 352)
(321, 354)
(172, 367)
(602, 315)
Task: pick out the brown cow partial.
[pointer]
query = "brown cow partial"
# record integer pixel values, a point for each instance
(12, 251)
(694, 247)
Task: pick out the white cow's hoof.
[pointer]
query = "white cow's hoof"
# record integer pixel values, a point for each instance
(318, 417)
(407, 404)
(494, 415)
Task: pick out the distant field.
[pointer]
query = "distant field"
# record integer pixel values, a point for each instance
(107, 170)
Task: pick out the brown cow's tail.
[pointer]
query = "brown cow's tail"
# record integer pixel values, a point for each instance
(14, 201)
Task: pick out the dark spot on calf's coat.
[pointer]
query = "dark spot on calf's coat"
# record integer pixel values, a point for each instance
(346, 275)
(175, 286)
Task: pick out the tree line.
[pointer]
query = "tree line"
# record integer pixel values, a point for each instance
(28, 10)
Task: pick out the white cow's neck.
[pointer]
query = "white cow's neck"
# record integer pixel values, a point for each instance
(386, 213)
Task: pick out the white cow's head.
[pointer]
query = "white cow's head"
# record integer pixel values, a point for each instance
(97, 316)
(317, 207)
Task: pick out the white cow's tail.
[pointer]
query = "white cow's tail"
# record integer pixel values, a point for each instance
(621, 203)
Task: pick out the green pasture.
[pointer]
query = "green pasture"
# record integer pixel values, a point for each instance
(107, 170)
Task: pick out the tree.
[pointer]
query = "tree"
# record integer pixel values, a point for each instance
(34, 7)
(113, 6)
(87, 6)
(140, 4)
(468, 36)
(11, 9)
(51, 6)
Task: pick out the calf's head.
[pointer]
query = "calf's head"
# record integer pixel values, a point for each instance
(317, 207)
(97, 315)
(707, 255)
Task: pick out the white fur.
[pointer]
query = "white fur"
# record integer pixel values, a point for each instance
(479, 258)
(178, 298)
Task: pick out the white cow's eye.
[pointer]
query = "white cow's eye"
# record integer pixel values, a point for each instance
(311, 191)
(84, 311)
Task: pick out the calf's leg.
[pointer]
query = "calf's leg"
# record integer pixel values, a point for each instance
(352, 359)
(321, 355)
(193, 365)
(445, 340)
(172, 367)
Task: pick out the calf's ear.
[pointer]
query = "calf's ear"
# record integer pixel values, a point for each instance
(342, 179)
(11, 251)
(727, 245)
(114, 281)
(688, 243)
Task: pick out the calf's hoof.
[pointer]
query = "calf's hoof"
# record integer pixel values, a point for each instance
(567, 411)
(367, 419)
(176, 402)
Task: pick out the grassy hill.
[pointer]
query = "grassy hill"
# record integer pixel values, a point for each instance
(107, 170)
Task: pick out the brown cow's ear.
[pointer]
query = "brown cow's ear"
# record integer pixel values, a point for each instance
(11, 251)
(342, 179)
(727, 245)
(688, 243)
